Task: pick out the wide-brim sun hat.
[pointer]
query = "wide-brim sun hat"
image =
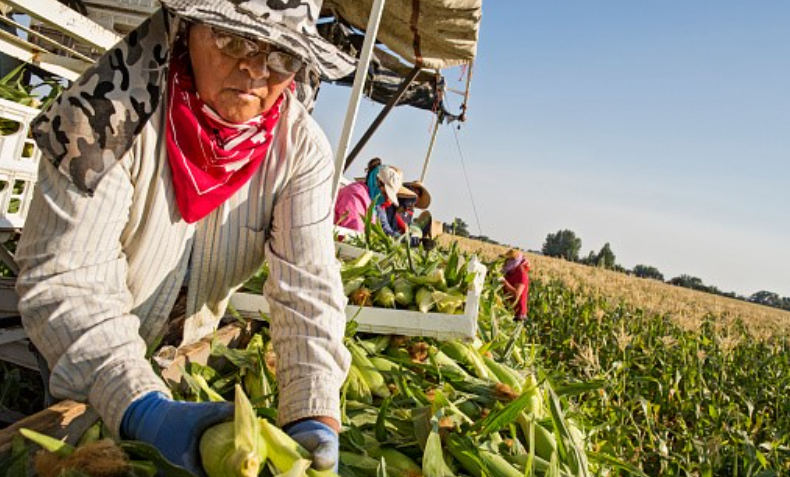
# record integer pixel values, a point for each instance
(288, 25)
(423, 196)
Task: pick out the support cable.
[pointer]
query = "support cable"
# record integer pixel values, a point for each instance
(468, 185)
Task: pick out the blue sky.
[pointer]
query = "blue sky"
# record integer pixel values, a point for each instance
(659, 127)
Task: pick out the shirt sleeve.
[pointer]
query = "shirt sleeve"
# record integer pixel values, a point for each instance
(305, 293)
(381, 212)
(74, 301)
(350, 209)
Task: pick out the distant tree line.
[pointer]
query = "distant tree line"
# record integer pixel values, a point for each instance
(565, 244)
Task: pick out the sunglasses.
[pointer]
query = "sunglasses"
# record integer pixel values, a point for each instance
(240, 48)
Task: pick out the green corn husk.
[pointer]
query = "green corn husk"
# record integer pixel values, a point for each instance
(502, 374)
(434, 278)
(356, 387)
(545, 443)
(445, 362)
(357, 267)
(383, 364)
(467, 356)
(448, 302)
(424, 299)
(497, 466)
(375, 345)
(352, 285)
(370, 374)
(234, 449)
(385, 297)
(287, 456)
(398, 463)
(404, 292)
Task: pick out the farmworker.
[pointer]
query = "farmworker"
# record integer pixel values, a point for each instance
(412, 195)
(182, 157)
(379, 188)
(516, 282)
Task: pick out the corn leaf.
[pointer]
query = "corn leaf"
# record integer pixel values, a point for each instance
(502, 417)
(572, 451)
(608, 460)
(61, 448)
(381, 420)
(433, 464)
(145, 451)
(16, 463)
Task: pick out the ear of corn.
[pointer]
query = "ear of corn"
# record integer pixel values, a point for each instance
(424, 299)
(234, 449)
(357, 388)
(404, 292)
(370, 374)
(467, 356)
(385, 297)
(287, 456)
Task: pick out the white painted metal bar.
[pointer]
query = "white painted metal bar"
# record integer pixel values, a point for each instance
(430, 149)
(68, 68)
(67, 20)
(356, 92)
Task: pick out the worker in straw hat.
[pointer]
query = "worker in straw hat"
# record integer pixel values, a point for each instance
(179, 160)
(381, 188)
(413, 195)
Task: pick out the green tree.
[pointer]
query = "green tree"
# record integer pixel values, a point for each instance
(459, 227)
(766, 298)
(606, 257)
(563, 244)
(646, 271)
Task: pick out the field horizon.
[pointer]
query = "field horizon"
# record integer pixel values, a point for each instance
(687, 307)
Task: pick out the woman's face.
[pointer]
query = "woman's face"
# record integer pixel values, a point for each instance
(237, 89)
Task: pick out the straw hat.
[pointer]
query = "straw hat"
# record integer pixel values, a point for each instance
(288, 25)
(423, 196)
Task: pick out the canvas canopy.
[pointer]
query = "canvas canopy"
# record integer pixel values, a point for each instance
(434, 33)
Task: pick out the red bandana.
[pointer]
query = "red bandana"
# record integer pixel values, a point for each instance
(209, 157)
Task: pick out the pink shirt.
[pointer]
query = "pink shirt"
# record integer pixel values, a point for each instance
(352, 203)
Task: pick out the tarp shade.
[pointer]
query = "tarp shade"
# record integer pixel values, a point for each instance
(441, 33)
(386, 74)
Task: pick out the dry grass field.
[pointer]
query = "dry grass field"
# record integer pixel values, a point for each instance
(687, 307)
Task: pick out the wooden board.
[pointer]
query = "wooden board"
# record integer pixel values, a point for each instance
(64, 420)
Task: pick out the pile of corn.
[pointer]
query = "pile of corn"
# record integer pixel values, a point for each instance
(413, 280)
(410, 406)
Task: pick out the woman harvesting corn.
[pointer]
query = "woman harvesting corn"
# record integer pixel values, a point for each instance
(184, 147)
(516, 282)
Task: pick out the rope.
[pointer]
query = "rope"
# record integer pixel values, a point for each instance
(466, 177)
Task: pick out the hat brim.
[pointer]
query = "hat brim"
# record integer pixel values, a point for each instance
(407, 193)
(323, 56)
(423, 196)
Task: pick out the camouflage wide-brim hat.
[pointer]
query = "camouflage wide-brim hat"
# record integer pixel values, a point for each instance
(287, 24)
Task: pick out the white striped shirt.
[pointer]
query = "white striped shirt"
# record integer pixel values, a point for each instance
(100, 275)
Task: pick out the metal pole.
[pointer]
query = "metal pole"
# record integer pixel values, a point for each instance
(430, 149)
(383, 114)
(356, 92)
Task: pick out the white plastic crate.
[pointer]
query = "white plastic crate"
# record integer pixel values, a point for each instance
(397, 322)
(19, 157)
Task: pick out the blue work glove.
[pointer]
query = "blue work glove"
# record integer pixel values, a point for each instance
(173, 427)
(318, 438)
